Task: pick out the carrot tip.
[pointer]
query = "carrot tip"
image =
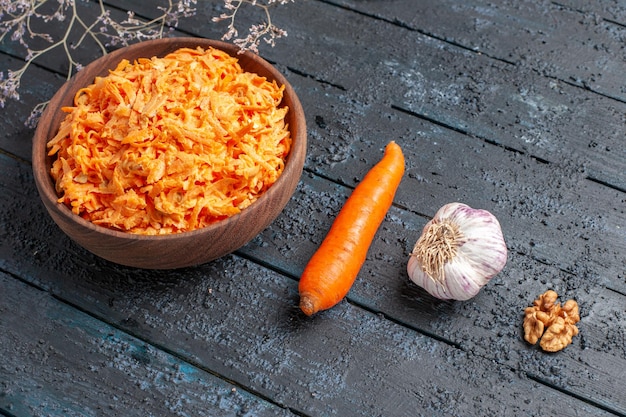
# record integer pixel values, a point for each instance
(307, 305)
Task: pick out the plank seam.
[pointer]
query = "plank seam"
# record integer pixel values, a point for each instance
(476, 51)
(582, 86)
(178, 356)
(402, 25)
(5, 413)
(298, 413)
(14, 156)
(157, 346)
(596, 404)
(359, 305)
(465, 132)
(622, 293)
(581, 11)
(496, 143)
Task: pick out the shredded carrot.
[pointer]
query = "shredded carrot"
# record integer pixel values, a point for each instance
(172, 144)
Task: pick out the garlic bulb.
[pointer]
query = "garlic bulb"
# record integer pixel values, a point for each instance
(459, 251)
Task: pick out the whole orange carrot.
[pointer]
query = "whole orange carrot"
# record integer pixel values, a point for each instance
(333, 268)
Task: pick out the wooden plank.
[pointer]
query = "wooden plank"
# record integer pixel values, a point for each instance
(15, 136)
(216, 308)
(57, 360)
(351, 362)
(489, 325)
(510, 105)
(548, 211)
(612, 11)
(565, 40)
(348, 128)
(504, 104)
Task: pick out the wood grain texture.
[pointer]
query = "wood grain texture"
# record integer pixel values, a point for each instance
(567, 41)
(59, 361)
(16, 137)
(315, 375)
(157, 307)
(547, 210)
(429, 66)
(506, 104)
(510, 127)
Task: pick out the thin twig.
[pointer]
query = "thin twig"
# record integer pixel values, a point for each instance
(18, 16)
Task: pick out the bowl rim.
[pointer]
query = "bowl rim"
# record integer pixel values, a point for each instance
(40, 157)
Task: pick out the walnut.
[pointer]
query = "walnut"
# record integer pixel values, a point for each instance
(558, 335)
(546, 301)
(554, 324)
(533, 326)
(569, 312)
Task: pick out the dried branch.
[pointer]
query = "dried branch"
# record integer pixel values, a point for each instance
(265, 31)
(18, 18)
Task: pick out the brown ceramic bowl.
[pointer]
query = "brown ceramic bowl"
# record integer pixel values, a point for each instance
(181, 249)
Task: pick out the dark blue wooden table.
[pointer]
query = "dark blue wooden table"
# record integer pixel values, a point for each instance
(517, 107)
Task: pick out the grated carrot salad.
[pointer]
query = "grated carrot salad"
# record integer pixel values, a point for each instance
(172, 144)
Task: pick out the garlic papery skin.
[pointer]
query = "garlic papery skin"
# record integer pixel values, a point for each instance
(459, 251)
